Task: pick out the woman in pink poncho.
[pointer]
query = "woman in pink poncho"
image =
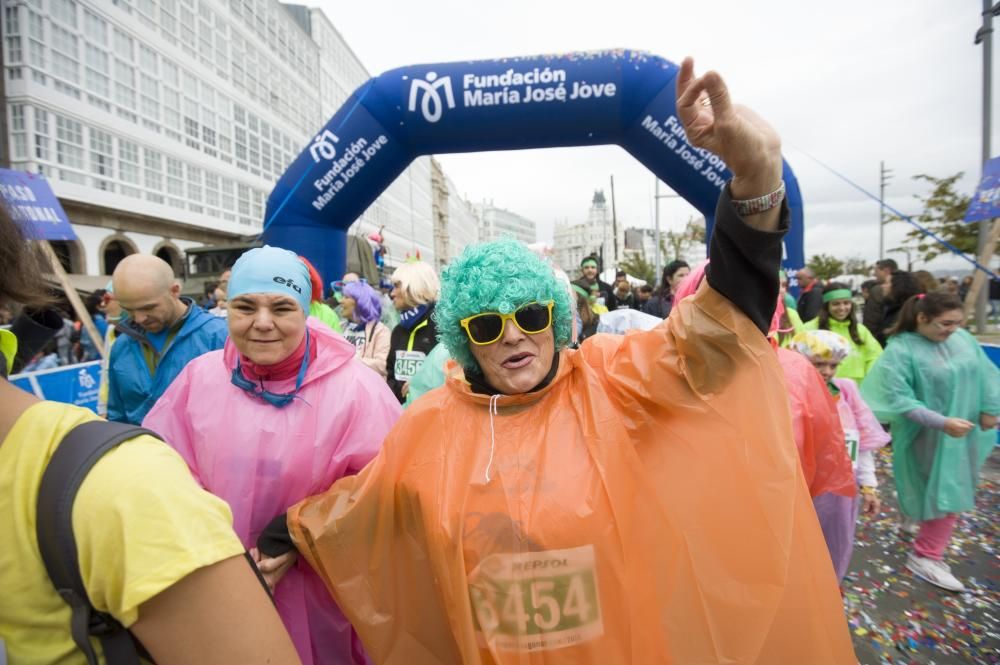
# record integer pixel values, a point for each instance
(278, 415)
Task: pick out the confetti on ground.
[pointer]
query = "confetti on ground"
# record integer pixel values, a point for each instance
(898, 619)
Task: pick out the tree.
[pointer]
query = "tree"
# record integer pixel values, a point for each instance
(943, 210)
(679, 242)
(855, 265)
(825, 266)
(637, 266)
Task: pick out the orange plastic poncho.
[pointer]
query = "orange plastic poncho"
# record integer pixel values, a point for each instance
(647, 506)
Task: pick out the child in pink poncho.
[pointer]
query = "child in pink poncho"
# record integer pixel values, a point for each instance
(862, 433)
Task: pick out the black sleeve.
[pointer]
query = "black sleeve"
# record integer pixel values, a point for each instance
(275, 539)
(745, 262)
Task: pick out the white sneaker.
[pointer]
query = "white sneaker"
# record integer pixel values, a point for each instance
(937, 573)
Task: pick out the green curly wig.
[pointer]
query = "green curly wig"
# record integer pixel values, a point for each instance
(497, 276)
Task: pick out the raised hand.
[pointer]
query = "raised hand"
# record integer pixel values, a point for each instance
(749, 146)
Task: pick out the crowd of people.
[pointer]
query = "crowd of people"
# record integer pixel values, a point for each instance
(459, 468)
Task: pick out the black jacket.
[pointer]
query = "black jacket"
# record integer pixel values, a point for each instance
(628, 302)
(424, 339)
(810, 302)
(659, 305)
(872, 314)
(604, 290)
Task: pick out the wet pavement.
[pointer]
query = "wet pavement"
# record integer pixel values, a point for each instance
(900, 619)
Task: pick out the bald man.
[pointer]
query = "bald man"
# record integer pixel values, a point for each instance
(159, 334)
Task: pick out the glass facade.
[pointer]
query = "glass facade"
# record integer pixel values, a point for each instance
(187, 110)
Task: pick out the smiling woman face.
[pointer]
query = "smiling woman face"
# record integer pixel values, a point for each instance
(517, 362)
(840, 309)
(266, 327)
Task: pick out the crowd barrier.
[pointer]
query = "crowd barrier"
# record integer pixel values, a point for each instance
(72, 384)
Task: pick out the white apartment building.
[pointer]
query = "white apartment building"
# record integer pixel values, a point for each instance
(404, 212)
(572, 242)
(641, 242)
(164, 124)
(496, 223)
(463, 222)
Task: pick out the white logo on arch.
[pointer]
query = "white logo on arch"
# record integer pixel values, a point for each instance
(431, 104)
(86, 380)
(323, 146)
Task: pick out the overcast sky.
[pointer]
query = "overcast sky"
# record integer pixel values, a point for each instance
(849, 83)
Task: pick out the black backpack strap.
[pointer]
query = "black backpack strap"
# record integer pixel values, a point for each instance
(76, 455)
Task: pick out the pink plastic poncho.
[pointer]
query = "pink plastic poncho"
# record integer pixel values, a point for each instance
(820, 439)
(262, 460)
(838, 517)
(855, 415)
(816, 426)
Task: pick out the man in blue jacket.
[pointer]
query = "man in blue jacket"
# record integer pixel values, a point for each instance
(162, 333)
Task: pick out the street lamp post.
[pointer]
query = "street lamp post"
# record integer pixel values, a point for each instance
(985, 36)
(656, 240)
(909, 259)
(884, 176)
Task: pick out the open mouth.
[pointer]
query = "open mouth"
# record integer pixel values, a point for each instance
(518, 360)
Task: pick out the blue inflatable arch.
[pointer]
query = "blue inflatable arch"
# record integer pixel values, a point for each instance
(621, 97)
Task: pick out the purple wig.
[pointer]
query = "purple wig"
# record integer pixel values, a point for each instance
(368, 305)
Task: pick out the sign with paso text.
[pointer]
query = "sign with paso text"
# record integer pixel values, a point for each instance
(31, 203)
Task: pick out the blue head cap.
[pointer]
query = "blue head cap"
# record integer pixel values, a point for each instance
(271, 270)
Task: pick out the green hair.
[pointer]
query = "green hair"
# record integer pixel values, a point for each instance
(497, 276)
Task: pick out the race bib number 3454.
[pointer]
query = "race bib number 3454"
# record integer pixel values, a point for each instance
(536, 601)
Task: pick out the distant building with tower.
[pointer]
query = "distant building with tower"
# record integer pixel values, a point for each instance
(572, 242)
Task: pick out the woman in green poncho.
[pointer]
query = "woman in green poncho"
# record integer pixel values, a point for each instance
(837, 315)
(941, 394)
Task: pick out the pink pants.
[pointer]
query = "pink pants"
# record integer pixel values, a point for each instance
(933, 538)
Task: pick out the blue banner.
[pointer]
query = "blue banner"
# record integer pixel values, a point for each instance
(986, 201)
(620, 97)
(31, 203)
(73, 384)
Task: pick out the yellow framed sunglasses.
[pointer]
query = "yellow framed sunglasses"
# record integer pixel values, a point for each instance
(488, 327)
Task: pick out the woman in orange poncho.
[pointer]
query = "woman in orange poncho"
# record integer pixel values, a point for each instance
(636, 501)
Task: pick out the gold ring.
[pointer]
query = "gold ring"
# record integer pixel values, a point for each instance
(707, 101)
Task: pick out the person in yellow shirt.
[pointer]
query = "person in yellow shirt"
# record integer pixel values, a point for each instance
(156, 552)
(837, 315)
